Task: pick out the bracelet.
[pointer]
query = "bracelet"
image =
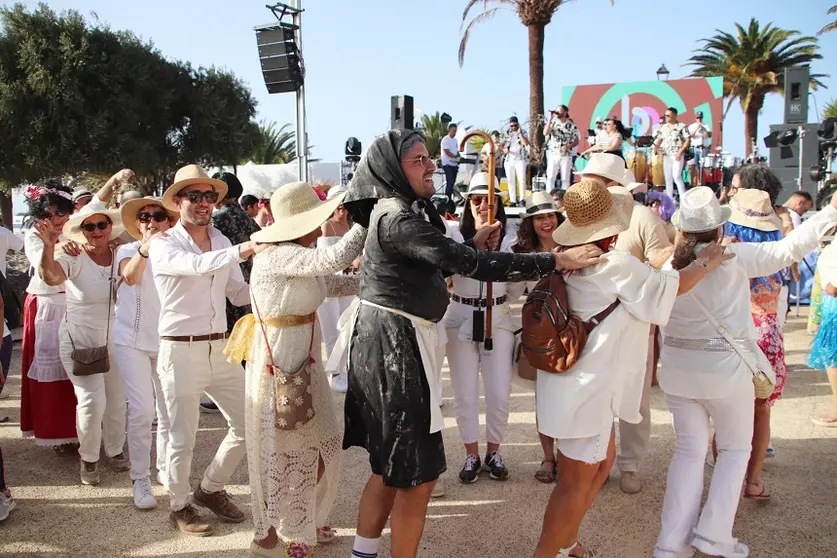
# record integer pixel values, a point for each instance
(139, 251)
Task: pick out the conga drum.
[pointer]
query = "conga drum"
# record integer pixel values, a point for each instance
(658, 175)
(637, 163)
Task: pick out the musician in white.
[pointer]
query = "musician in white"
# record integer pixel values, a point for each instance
(672, 139)
(562, 137)
(700, 134)
(515, 149)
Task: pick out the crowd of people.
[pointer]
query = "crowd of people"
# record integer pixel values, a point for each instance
(139, 309)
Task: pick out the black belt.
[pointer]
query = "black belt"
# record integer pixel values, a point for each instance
(194, 338)
(478, 302)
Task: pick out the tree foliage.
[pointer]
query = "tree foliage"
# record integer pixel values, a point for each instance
(830, 110)
(274, 146)
(831, 26)
(78, 98)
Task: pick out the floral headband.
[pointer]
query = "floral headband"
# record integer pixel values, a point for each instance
(36, 192)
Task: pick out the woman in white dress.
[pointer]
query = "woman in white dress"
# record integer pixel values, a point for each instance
(578, 407)
(704, 377)
(294, 472)
(89, 280)
(466, 355)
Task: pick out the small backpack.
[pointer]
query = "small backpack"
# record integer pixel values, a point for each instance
(552, 337)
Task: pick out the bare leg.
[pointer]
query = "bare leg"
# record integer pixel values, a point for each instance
(548, 446)
(408, 515)
(270, 541)
(492, 447)
(761, 439)
(472, 449)
(831, 417)
(374, 509)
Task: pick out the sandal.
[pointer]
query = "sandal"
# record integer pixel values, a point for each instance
(585, 553)
(66, 449)
(545, 476)
(325, 534)
(762, 494)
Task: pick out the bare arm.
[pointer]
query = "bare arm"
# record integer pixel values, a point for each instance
(49, 270)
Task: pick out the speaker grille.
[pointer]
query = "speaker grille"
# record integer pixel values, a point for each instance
(282, 65)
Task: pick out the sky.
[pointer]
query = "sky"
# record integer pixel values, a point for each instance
(360, 53)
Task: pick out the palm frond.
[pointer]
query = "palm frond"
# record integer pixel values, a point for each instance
(463, 44)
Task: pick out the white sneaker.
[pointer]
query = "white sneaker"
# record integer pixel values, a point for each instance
(438, 489)
(731, 550)
(340, 383)
(161, 478)
(143, 497)
(7, 504)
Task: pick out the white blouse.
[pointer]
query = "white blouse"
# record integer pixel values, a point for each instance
(88, 285)
(827, 265)
(33, 247)
(137, 307)
(608, 379)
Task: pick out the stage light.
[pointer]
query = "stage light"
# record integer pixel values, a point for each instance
(353, 150)
(446, 118)
(662, 73)
(827, 129)
(817, 173)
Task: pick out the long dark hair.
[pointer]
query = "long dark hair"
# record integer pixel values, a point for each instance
(760, 177)
(40, 197)
(466, 222)
(527, 238)
(684, 247)
(619, 127)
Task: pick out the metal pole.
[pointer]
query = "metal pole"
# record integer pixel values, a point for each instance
(301, 128)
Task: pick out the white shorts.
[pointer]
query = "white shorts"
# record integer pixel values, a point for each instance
(590, 450)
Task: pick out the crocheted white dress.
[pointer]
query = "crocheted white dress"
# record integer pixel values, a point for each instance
(292, 280)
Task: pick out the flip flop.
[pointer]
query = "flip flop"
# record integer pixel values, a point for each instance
(325, 534)
(824, 423)
(547, 477)
(761, 496)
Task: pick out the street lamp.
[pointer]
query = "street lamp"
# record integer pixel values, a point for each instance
(662, 73)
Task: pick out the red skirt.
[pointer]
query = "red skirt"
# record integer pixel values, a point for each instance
(47, 409)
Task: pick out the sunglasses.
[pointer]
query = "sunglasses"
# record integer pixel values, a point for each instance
(90, 227)
(477, 201)
(196, 196)
(157, 217)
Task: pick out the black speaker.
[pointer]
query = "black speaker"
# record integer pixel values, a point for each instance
(401, 112)
(281, 60)
(796, 95)
(787, 156)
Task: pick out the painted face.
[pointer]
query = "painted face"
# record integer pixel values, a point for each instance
(195, 203)
(418, 167)
(545, 224)
(479, 209)
(96, 229)
(152, 219)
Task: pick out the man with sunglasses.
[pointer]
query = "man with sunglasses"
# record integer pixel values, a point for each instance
(195, 269)
(515, 148)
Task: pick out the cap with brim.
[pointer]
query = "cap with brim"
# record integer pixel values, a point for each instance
(187, 176)
(539, 203)
(72, 228)
(752, 208)
(479, 185)
(297, 211)
(593, 213)
(80, 194)
(129, 210)
(700, 211)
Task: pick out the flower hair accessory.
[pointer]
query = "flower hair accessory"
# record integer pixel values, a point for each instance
(36, 192)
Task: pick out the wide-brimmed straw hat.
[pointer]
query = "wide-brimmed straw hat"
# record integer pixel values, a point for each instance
(700, 211)
(609, 166)
(297, 210)
(752, 208)
(539, 203)
(72, 228)
(336, 191)
(593, 213)
(188, 175)
(129, 210)
(479, 185)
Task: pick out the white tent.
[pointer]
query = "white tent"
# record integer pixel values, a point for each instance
(262, 180)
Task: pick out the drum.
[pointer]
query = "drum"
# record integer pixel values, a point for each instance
(731, 162)
(712, 176)
(658, 175)
(637, 163)
(710, 161)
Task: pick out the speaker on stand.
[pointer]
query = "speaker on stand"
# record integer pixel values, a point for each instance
(401, 113)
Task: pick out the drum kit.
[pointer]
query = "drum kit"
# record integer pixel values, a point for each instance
(716, 168)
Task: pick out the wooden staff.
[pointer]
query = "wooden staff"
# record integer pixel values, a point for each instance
(489, 286)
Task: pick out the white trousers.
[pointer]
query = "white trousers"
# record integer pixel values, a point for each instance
(467, 361)
(139, 374)
(516, 176)
(633, 438)
(100, 407)
(673, 170)
(558, 162)
(328, 314)
(186, 371)
(681, 516)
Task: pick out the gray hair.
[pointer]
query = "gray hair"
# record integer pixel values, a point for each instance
(408, 144)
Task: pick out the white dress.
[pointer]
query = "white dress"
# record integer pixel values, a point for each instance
(292, 280)
(333, 307)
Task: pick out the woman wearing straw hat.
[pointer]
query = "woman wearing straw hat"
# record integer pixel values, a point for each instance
(294, 471)
(89, 277)
(137, 342)
(578, 408)
(705, 376)
(467, 360)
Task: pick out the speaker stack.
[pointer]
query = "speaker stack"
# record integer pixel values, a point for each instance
(401, 112)
(281, 60)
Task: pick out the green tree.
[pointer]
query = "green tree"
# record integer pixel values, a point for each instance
(535, 15)
(752, 63)
(434, 131)
(274, 146)
(830, 110)
(830, 26)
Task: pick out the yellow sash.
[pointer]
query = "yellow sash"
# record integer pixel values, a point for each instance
(240, 340)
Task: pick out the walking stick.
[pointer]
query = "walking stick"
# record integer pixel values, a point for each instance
(489, 287)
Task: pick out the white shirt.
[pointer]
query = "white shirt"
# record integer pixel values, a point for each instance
(193, 285)
(88, 292)
(451, 145)
(33, 247)
(827, 265)
(699, 139)
(726, 295)
(8, 241)
(137, 307)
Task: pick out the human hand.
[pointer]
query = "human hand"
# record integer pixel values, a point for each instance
(795, 274)
(578, 257)
(830, 290)
(47, 232)
(125, 175)
(259, 247)
(70, 248)
(355, 265)
(714, 255)
(488, 237)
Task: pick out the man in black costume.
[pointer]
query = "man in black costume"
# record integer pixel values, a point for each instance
(392, 406)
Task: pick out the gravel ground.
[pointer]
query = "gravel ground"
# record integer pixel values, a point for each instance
(58, 517)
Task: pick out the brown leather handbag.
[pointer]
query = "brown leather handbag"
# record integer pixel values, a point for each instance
(87, 362)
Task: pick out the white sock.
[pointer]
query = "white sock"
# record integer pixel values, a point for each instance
(365, 548)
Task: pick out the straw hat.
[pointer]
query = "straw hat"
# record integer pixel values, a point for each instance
(336, 191)
(81, 193)
(129, 210)
(538, 204)
(72, 228)
(752, 208)
(593, 213)
(129, 195)
(609, 166)
(700, 211)
(297, 211)
(186, 176)
(479, 185)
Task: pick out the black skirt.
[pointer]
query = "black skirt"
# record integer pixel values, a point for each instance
(388, 401)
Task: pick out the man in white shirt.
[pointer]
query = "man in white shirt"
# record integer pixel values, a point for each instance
(700, 134)
(515, 164)
(562, 137)
(195, 269)
(450, 159)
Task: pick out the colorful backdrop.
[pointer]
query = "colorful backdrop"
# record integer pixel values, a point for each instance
(640, 104)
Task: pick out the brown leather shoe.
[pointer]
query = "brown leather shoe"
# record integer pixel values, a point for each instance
(218, 503)
(188, 521)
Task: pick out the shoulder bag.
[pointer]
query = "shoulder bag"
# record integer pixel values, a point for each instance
(87, 362)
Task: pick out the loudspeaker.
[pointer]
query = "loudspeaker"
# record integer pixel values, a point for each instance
(796, 95)
(401, 112)
(281, 60)
(788, 156)
(789, 176)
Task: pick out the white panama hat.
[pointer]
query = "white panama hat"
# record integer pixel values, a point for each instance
(72, 228)
(297, 210)
(700, 211)
(479, 184)
(539, 203)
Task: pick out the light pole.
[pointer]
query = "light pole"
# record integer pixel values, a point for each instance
(662, 73)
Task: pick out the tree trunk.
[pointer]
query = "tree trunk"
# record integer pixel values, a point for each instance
(536, 43)
(751, 122)
(7, 211)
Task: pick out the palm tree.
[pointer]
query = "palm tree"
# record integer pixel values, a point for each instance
(753, 64)
(831, 26)
(274, 146)
(830, 110)
(535, 15)
(434, 131)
